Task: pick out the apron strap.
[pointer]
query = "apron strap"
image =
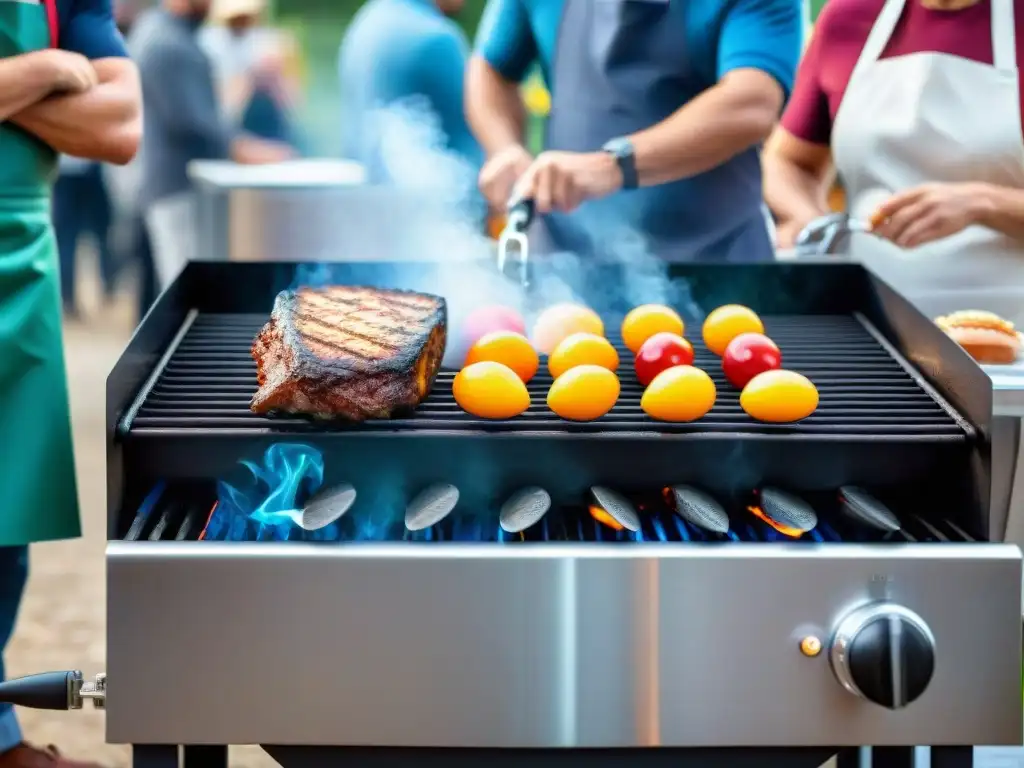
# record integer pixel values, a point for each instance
(1004, 43)
(53, 22)
(880, 33)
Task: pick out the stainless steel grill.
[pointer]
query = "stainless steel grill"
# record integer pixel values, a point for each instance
(571, 641)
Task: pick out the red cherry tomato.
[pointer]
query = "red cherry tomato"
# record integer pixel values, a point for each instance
(748, 355)
(661, 351)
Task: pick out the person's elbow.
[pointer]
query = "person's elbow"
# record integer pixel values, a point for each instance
(116, 138)
(755, 100)
(121, 142)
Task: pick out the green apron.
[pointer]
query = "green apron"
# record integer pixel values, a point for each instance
(37, 470)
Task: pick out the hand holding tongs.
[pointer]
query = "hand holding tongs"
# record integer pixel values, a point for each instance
(513, 237)
(819, 237)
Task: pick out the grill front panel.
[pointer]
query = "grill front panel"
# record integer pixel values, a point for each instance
(554, 645)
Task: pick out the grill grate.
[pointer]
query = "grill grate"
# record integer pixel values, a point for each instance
(177, 513)
(208, 379)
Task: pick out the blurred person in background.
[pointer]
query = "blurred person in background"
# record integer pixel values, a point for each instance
(395, 50)
(917, 104)
(250, 66)
(82, 206)
(129, 239)
(183, 122)
(66, 86)
(658, 112)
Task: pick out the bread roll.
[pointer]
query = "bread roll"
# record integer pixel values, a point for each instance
(988, 338)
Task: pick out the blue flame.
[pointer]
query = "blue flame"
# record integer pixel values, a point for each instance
(280, 484)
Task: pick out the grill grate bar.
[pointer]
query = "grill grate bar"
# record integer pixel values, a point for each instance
(206, 383)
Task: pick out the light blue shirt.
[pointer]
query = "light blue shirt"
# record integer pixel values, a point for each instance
(719, 37)
(398, 51)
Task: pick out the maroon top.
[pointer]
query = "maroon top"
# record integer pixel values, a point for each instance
(840, 33)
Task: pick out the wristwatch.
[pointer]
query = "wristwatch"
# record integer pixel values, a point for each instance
(625, 156)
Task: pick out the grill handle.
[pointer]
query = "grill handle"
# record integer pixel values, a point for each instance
(54, 690)
(520, 213)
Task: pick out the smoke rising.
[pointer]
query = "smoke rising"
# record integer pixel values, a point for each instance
(438, 216)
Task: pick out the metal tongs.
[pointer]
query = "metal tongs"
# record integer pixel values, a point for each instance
(513, 236)
(821, 236)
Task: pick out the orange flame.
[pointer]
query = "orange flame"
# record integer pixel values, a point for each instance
(209, 517)
(604, 518)
(785, 530)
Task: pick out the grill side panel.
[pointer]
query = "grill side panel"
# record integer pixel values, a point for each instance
(553, 646)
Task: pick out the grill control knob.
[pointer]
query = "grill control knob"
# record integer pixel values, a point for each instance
(884, 653)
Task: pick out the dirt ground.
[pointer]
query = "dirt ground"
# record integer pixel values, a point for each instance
(63, 623)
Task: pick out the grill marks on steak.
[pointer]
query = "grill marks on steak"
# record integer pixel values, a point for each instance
(350, 352)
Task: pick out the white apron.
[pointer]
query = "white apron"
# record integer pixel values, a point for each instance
(933, 117)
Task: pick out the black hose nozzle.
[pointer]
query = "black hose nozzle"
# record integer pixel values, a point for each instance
(47, 690)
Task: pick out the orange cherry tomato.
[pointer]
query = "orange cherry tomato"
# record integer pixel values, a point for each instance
(561, 320)
(584, 393)
(508, 348)
(682, 393)
(779, 396)
(645, 321)
(726, 323)
(490, 390)
(582, 349)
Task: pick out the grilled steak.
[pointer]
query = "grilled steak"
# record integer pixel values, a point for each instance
(349, 352)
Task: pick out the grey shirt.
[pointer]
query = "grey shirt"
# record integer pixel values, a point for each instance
(182, 117)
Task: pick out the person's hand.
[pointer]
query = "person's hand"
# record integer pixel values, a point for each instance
(786, 230)
(561, 181)
(249, 151)
(926, 213)
(500, 174)
(68, 72)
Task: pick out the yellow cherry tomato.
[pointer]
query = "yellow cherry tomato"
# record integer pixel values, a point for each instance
(779, 396)
(561, 320)
(682, 393)
(582, 349)
(508, 348)
(726, 323)
(490, 390)
(584, 393)
(645, 321)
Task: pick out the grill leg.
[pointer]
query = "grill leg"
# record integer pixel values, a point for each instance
(154, 756)
(205, 756)
(892, 757)
(952, 757)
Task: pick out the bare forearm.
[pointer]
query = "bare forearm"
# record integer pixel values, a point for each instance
(104, 123)
(24, 80)
(791, 192)
(732, 116)
(1000, 208)
(494, 108)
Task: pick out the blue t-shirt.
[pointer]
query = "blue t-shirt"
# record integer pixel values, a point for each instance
(403, 51)
(721, 35)
(88, 27)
